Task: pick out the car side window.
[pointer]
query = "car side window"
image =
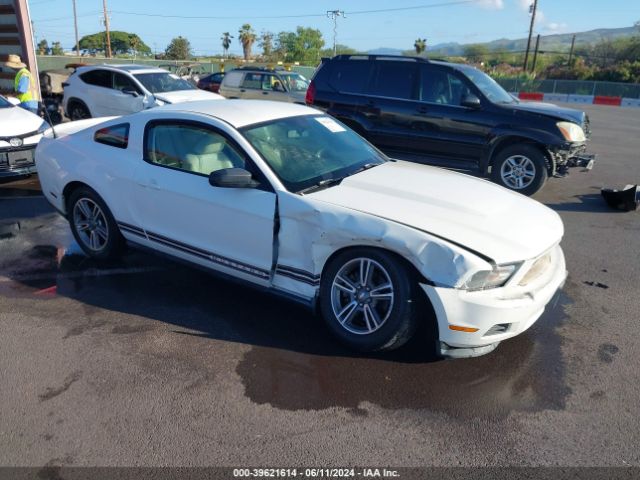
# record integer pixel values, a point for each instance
(394, 79)
(98, 78)
(122, 82)
(114, 136)
(233, 79)
(252, 80)
(190, 147)
(350, 76)
(438, 86)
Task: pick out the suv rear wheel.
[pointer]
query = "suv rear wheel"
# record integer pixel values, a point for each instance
(521, 168)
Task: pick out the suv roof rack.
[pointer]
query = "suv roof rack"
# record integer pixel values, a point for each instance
(380, 57)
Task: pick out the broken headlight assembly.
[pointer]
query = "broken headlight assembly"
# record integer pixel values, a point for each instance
(571, 132)
(498, 276)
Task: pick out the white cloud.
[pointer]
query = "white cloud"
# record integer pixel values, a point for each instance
(554, 27)
(491, 4)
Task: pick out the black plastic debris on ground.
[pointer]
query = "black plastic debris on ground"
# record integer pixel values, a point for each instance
(596, 284)
(8, 230)
(627, 198)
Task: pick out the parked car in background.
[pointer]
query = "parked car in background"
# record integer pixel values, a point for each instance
(451, 115)
(260, 83)
(111, 90)
(211, 82)
(290, 200)
(20, 132)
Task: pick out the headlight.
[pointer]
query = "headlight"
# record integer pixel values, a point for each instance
(495, 278)
(571, 131)
(44, 127)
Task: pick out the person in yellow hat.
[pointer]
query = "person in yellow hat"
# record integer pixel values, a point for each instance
(25, 88)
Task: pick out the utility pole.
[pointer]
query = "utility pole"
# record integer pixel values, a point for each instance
(333, 15)
(532, 10)
(75, 24)
(106, 26)
(573, 44)
(535, 54)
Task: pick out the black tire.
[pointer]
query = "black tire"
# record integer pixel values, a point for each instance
(400, 319)
(531, 172)
(78, 111)
(112, 244)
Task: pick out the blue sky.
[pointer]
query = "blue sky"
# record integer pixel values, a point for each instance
(445, 21)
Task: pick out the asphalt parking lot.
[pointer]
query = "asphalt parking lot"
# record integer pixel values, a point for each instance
(145, 362)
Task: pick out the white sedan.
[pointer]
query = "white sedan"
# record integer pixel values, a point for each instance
(286, 198)
(20, 132)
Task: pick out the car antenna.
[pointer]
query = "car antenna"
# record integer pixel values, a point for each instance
(46, 112)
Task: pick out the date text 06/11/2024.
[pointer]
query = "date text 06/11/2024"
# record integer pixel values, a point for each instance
(315, 473)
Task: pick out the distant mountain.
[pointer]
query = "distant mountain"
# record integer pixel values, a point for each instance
(559, 42)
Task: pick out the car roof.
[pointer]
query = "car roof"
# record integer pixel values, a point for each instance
(239, 113)
(123, 68)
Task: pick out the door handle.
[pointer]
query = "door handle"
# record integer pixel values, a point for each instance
(265, 93)
(422, 110)
(153, 184)
(242, 90)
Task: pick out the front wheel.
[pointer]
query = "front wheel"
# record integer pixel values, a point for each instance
(366, 299)
(78, 111)
(521, 168)
(93, 226)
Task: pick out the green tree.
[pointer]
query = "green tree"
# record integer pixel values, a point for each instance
(266, 43)
(247, 38)
(121, 43)
(475, 53)
(179, 49)
(303, 45)
(43, 47)
(56, 49)
(420, 45)
(226, 42)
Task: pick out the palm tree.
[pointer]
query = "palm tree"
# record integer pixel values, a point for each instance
(226, 42)
(247, 37)
(420, 45)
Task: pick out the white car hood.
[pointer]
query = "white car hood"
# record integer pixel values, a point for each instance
(15, 121)
(474, 213)
(187, 96)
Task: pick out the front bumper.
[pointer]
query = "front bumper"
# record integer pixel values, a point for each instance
(17, 162)
(497, 314)
(571, 155)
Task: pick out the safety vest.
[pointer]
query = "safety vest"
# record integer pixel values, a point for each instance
(32, 93)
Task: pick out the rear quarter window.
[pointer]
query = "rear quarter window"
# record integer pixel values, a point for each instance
(232, 79)
(99, 78)
(113, 136)
(350, 76)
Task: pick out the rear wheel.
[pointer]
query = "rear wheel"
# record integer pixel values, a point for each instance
(93, 226)
(521, 168)
(78, 111)
(366, 298)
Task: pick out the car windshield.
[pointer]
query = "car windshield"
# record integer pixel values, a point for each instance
(295, 82)
(163, 82)
(4, 103)
(488, 86)
(306, 152)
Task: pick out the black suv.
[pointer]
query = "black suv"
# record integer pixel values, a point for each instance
(451, 115)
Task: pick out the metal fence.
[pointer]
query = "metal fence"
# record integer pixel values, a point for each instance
(571, 87)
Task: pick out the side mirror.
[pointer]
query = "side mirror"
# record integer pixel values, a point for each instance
(130, 91)
(232, 178)
(470, 101)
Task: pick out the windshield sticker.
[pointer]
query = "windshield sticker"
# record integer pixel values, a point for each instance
(331, 124)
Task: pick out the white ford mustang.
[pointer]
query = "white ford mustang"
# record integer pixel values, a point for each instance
(286, 198)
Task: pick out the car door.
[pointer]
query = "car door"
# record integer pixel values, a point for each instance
(441, 128)
(225, 229)
(251, 86)
(98, 91)
(127, 97)
(389, 105)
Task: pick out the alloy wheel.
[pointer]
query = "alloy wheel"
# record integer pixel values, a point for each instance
(362, 296)
(518, 172)
(90, 224)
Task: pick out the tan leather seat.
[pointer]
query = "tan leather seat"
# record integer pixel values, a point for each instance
(206, 157)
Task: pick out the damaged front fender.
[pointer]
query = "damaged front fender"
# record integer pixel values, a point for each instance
(311, 231)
